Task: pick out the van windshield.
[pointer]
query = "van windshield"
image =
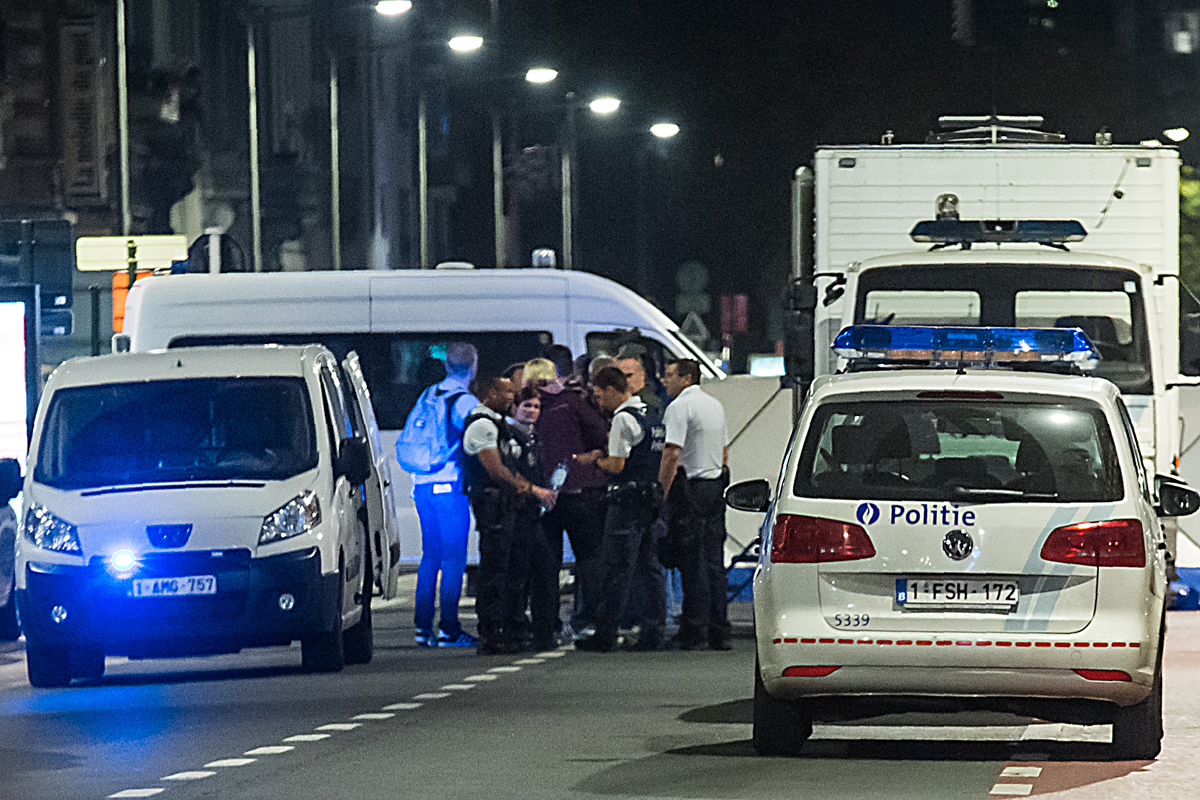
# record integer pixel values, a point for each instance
(177, 430)
(971, 451)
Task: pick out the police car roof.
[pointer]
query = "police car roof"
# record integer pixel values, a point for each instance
(1005, 254)
(188, 362)
(902, 382)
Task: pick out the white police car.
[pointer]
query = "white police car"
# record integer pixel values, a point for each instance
(962, 539)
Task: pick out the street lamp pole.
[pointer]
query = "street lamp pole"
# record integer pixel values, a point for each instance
(568, 190)
(498, 187)
(335, 185)
(255, 198)
(422, 178)
(123, 118)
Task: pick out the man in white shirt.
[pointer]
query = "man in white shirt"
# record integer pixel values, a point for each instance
(627, 549)
(697, 453)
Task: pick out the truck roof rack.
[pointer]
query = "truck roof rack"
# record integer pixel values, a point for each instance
(966, 232)
(993, 129)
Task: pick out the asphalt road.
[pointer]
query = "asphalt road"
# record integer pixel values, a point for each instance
(448, 724)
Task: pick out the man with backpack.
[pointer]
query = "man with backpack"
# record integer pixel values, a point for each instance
(430, 448)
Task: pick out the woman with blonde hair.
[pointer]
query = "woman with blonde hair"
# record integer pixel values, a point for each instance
(540, 370)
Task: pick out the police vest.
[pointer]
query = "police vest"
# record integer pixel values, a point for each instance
(641, 466)
(475, 475)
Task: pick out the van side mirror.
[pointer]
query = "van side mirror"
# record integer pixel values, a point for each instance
(752, 495)
(1175, 498)
(10, 479)
(798, 335)
(353, 460)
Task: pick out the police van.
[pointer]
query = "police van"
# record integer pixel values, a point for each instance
(945, 536)
(195, 502)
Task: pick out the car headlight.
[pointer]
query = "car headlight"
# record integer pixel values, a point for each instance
(51, 533)
(297, 516)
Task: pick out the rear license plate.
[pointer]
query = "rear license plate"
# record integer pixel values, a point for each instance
(942, 592)
(174, 587)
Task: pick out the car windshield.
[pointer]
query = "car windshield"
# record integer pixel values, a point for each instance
(972, 451)
(177, 430)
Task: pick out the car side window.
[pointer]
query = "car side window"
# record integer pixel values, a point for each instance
(337, 415)
(1139, 463)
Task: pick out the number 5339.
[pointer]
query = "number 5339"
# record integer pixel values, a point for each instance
(851, 620)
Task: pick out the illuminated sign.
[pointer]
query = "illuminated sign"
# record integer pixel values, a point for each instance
(100, 253)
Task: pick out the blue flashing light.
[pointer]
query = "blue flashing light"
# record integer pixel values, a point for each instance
(975, 346)
(123, 560)
(970, 231)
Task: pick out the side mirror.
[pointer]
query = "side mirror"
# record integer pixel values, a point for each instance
(10, 479)
(353, 460)
(752, 495)
(1175, 498)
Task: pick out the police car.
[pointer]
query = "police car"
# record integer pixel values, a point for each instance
(946, 535)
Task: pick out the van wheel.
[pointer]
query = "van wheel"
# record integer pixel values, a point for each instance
(780, 727)
(322, 651)
(359, 641)
(10, 628)
(87, 662)
(48, 666)
(1137, 730)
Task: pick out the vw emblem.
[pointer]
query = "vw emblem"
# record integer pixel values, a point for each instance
(958, 545)
(867, 513)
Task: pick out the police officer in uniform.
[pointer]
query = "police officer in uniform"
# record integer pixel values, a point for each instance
(500, 497)
(634, 497)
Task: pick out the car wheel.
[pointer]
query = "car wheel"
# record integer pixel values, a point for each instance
(48, 666)
(87, 662)
(780, 727)
(360, 640)
(10, 628)
(323, 651)
(1137, 730)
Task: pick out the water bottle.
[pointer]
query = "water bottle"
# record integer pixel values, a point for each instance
(559, 476)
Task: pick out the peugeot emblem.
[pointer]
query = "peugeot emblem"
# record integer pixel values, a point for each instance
(958, 545)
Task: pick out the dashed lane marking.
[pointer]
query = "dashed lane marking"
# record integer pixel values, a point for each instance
(431, 696)
(340, 726)
(402, 706)
(373, 716)
(270, 750)
(552, 654)
(480, 678)
(501, 670)
(307, 737)
(138, 792)
(194, 775)
(1021, 772)
(458, 687)
(529, 661)
(231, 762)
(1012, 789)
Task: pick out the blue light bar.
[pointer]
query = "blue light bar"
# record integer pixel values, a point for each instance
(971, 231)
(975, 346)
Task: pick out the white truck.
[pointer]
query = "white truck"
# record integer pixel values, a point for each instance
(1120, 284)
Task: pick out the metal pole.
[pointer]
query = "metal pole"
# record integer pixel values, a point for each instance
(643, 224)
(94, 291)
(123, 119)
(422, 179)
(568, 191)
(335, 200)
(255, 200)
(498, 187)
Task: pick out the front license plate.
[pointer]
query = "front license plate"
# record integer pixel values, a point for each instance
(952, 592)
(174, 587)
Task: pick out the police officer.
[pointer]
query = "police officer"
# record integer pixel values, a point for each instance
(635, 445)
(499, 496)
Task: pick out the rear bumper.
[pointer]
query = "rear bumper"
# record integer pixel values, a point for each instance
(245, 611)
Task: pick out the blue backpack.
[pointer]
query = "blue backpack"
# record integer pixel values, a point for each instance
(429, 440)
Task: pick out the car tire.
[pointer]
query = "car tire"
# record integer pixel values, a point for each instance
(48, 666)
(10, 626)
(87, 662)
(324, 651)
(359, 641)
(1137, 730)
(780, 727)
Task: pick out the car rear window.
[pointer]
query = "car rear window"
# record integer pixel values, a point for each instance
(960, 450)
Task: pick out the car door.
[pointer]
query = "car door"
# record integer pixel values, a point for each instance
(383, 524)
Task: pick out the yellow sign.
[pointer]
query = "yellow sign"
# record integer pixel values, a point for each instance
(100, 253)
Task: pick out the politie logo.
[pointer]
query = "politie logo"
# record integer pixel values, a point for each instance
(868, 513)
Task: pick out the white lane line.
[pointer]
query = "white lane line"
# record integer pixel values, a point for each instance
(504, 669)
(195, 775)
(458, 687)
(138, 792)
(1021, 772)
(1064, 732)
(373, 716)
(231, 762)
(401, 706)
(529, 661)
(994, 733)
(307, 737)
(269, 750)
(431, 696)
(552, 654)
(1012, 789)
(480, 678)
(340, 726)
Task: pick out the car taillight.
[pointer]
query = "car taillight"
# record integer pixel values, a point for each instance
(809, 540)
(1111, 543)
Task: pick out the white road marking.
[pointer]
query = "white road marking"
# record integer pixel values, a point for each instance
(340, 726)
(401, 706)
(529, 661)
(307, 737)
(552, 654)
(1064, 732)
(189, 776)
(458, 687)
(999, 733)
(478, 678)
(231, 762)
(269, 750)
(431, 696)
(1012, 789)
(504, 669)
(373, 716)
(138, 792)
(1021, 772)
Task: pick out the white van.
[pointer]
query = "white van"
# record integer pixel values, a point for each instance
(195, 502)
(399, 323)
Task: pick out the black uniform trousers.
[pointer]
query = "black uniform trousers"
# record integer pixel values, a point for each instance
(581, 515)
(702, 566)
(628, 553)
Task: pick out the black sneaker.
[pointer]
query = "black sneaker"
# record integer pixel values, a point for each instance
(593, 644)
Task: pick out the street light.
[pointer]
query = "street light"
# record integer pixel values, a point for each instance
(465, 43)
(541, 75)
(393, 8)
(605, 104)
(1177, 134)
(664, 130)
